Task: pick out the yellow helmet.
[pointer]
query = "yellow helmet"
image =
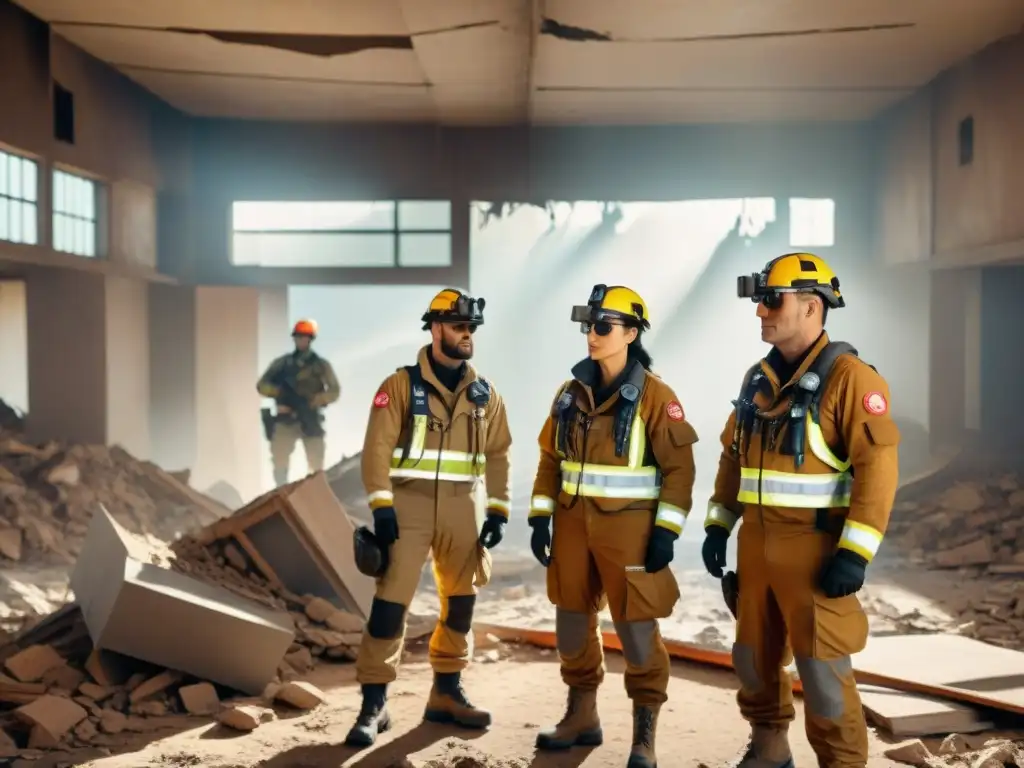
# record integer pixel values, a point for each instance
(453, 306)
(613, 302)
(792, 273)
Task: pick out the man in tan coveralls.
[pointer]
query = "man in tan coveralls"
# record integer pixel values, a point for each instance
(302, 383)
(436, 429)
(810, 463)
(616, 476)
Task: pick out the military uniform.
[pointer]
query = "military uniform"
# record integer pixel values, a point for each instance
(606, 496)
(426, 467)
(810, 466)
(316, 385)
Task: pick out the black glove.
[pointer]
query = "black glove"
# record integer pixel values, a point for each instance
(493, 530)
(660, 549)
(843, 574)
(385, 526)
(540, 540)
(715, 540)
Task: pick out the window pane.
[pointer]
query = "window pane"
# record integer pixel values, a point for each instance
(5, 215)
(58, 192)
(811, 222)
(77, 198)
(14, 176)
(87, 197)
(425, 250)
(90, 239)
(81, 247)
(28, 180)
(3, 173)
(304, 249)
(292, 216)
(29, 225)
(425, 214)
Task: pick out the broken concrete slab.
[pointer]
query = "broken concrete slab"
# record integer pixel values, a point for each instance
(299, 536)
(134, 605)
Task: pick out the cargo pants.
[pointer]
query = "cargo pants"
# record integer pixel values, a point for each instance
(596, 560)
(282, 444)
(448, 528)
(782, 613)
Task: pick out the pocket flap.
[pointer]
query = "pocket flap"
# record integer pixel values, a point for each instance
(883, 432)
(650, 595)
(681, 433)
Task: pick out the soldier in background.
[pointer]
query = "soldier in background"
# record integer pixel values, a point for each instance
(301, 383)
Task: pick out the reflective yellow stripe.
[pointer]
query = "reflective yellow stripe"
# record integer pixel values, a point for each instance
(818, 446)
(720, 516)
(419, 436)
(542, 506)
(861, 538)
(610, 482)
(456, 466)
(670, 517)
(771, 488)
(501, 505)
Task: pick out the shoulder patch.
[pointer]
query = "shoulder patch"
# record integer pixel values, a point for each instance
(381, 400)
(875, 403)
(675, 411)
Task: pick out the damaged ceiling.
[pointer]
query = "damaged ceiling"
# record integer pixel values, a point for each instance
(539, 61)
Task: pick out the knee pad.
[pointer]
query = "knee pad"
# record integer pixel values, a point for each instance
(744, 663)
(637, 638)
(571, 629)
(386, 619)
(460, 613)
(823, 683)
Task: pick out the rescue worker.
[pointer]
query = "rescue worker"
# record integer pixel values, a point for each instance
(616, 480)
(810, 465)
(436, 429)
(302, 384)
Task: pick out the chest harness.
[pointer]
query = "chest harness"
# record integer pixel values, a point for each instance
(414, 460)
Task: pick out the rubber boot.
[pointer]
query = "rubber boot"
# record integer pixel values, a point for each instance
(768, 748)
(373, 717)
(579, 727)
(447, 703)
(645, 724)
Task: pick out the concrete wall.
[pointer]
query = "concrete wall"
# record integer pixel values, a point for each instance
(1002, 358)
(127, 365)
(172, 371)
(14, 344)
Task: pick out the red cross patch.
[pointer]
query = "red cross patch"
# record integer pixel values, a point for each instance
(675, 411)
(381, 400)
(875, 404)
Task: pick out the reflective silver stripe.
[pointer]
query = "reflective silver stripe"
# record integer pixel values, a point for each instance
(790, 489)
(496, 503)
(861, 538)
(611, 482)
(542, 504)
(670, 516)
(719, 515)
(386, 497)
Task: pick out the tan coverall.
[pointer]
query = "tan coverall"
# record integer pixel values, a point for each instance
(432, 493)
(316, 382)
(793, 520)
(604, 507)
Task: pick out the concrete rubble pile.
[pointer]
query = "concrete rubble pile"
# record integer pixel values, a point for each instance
(48, 494)
(976, 527)
(219, 637)
(960, 751)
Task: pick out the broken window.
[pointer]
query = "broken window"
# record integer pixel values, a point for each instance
(75, 214)
(19, 209)
(388, 233)
(812, 222)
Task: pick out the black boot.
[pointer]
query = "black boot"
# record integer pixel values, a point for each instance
(373, 717)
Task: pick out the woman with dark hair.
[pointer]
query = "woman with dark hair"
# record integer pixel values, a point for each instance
(616, 479)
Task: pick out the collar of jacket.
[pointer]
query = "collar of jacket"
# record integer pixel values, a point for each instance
(588, 373)
(427, 372)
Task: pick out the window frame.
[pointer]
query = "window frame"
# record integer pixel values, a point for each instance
(395, 232)
(6, 151)
(99, 218)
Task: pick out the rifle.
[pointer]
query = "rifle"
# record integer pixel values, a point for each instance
(310, 419)
(268, 423)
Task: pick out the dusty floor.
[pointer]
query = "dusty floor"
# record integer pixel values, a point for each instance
(700, 724)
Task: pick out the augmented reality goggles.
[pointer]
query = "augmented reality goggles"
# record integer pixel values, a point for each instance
(599, 320)
(464, 309)
(755, 287)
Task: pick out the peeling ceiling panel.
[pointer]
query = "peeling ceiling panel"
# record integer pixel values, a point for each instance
(326, 17)
(424, 16)
(209, 96)
(200, 53)
(637, 108)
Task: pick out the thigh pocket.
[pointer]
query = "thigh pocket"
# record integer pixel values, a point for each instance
(650, 595)
(484, 564)
(840, 626)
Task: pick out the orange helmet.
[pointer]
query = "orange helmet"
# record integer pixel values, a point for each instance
(305, 328)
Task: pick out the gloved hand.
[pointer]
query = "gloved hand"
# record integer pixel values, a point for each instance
(843, 574)
(540, 540)
(493, 530)
(660, 549)
(385, 525)
(715, 540)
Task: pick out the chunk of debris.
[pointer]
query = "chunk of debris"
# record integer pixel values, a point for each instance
(50, 717)
(199, 699)
(910, 752)
(31, 664)
(300, 695)
(245, 718)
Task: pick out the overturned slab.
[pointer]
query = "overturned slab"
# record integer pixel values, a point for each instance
(134, 605)
(300, 537)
